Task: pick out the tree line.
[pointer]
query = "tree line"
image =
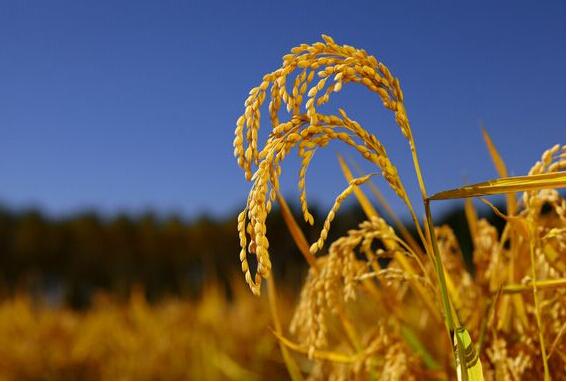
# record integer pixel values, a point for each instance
(69, 259)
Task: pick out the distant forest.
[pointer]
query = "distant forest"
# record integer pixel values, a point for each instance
(67, 260)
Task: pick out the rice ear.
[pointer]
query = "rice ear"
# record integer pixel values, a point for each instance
(504, 186)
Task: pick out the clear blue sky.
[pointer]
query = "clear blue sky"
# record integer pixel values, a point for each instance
(131, 105)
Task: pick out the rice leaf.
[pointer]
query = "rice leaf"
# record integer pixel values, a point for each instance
(291, 365)
(556, 341)
(537, 308)
(469, 367)
(488, 318)
(316, 354)
(518, 224)
(296, 232)
(472, 217)
(501, 169)
(505, 185)
(417, 346)
(511, 206)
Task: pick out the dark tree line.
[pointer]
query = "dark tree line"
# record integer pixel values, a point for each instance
(69, 259)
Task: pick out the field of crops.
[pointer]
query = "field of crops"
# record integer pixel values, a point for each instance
(377, 303)
(218, 191)
(384, 301)
(210, 338)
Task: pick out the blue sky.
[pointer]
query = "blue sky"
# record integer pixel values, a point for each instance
(130, 106)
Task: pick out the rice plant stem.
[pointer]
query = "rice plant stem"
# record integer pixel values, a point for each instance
(437, 257)
(490, 305)
(447, 308)
(290, 363)
(555, 341)
(446, 302)
(540, 284)
(317, 354)
(537, 308)
(440, 272)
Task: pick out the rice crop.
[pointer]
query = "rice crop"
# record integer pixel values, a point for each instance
(175, 339)
(379, 303)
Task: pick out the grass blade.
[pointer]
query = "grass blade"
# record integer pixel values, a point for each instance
(296, 232)
(505, 185)
(317, 354)
(417, 346)
(501, 169)
(472, 217)
(291, 365)
(472, 368)
(511, 206)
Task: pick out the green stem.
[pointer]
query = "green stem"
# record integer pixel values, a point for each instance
(537, 307)
(439, 270)
(540, 284)
(447, 307)
(436, 256)
(450, 321)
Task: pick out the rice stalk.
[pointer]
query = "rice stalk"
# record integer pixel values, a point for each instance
(290, 363)
(317, 354)
(348, 65)
(537, 312)
(540, 284)
(556, 341)
(347, 270)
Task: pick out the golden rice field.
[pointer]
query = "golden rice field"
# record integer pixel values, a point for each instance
(376, 304)
(379, 303)
(210, 338)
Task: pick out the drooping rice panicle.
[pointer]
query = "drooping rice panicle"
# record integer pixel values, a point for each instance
(526, 256)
